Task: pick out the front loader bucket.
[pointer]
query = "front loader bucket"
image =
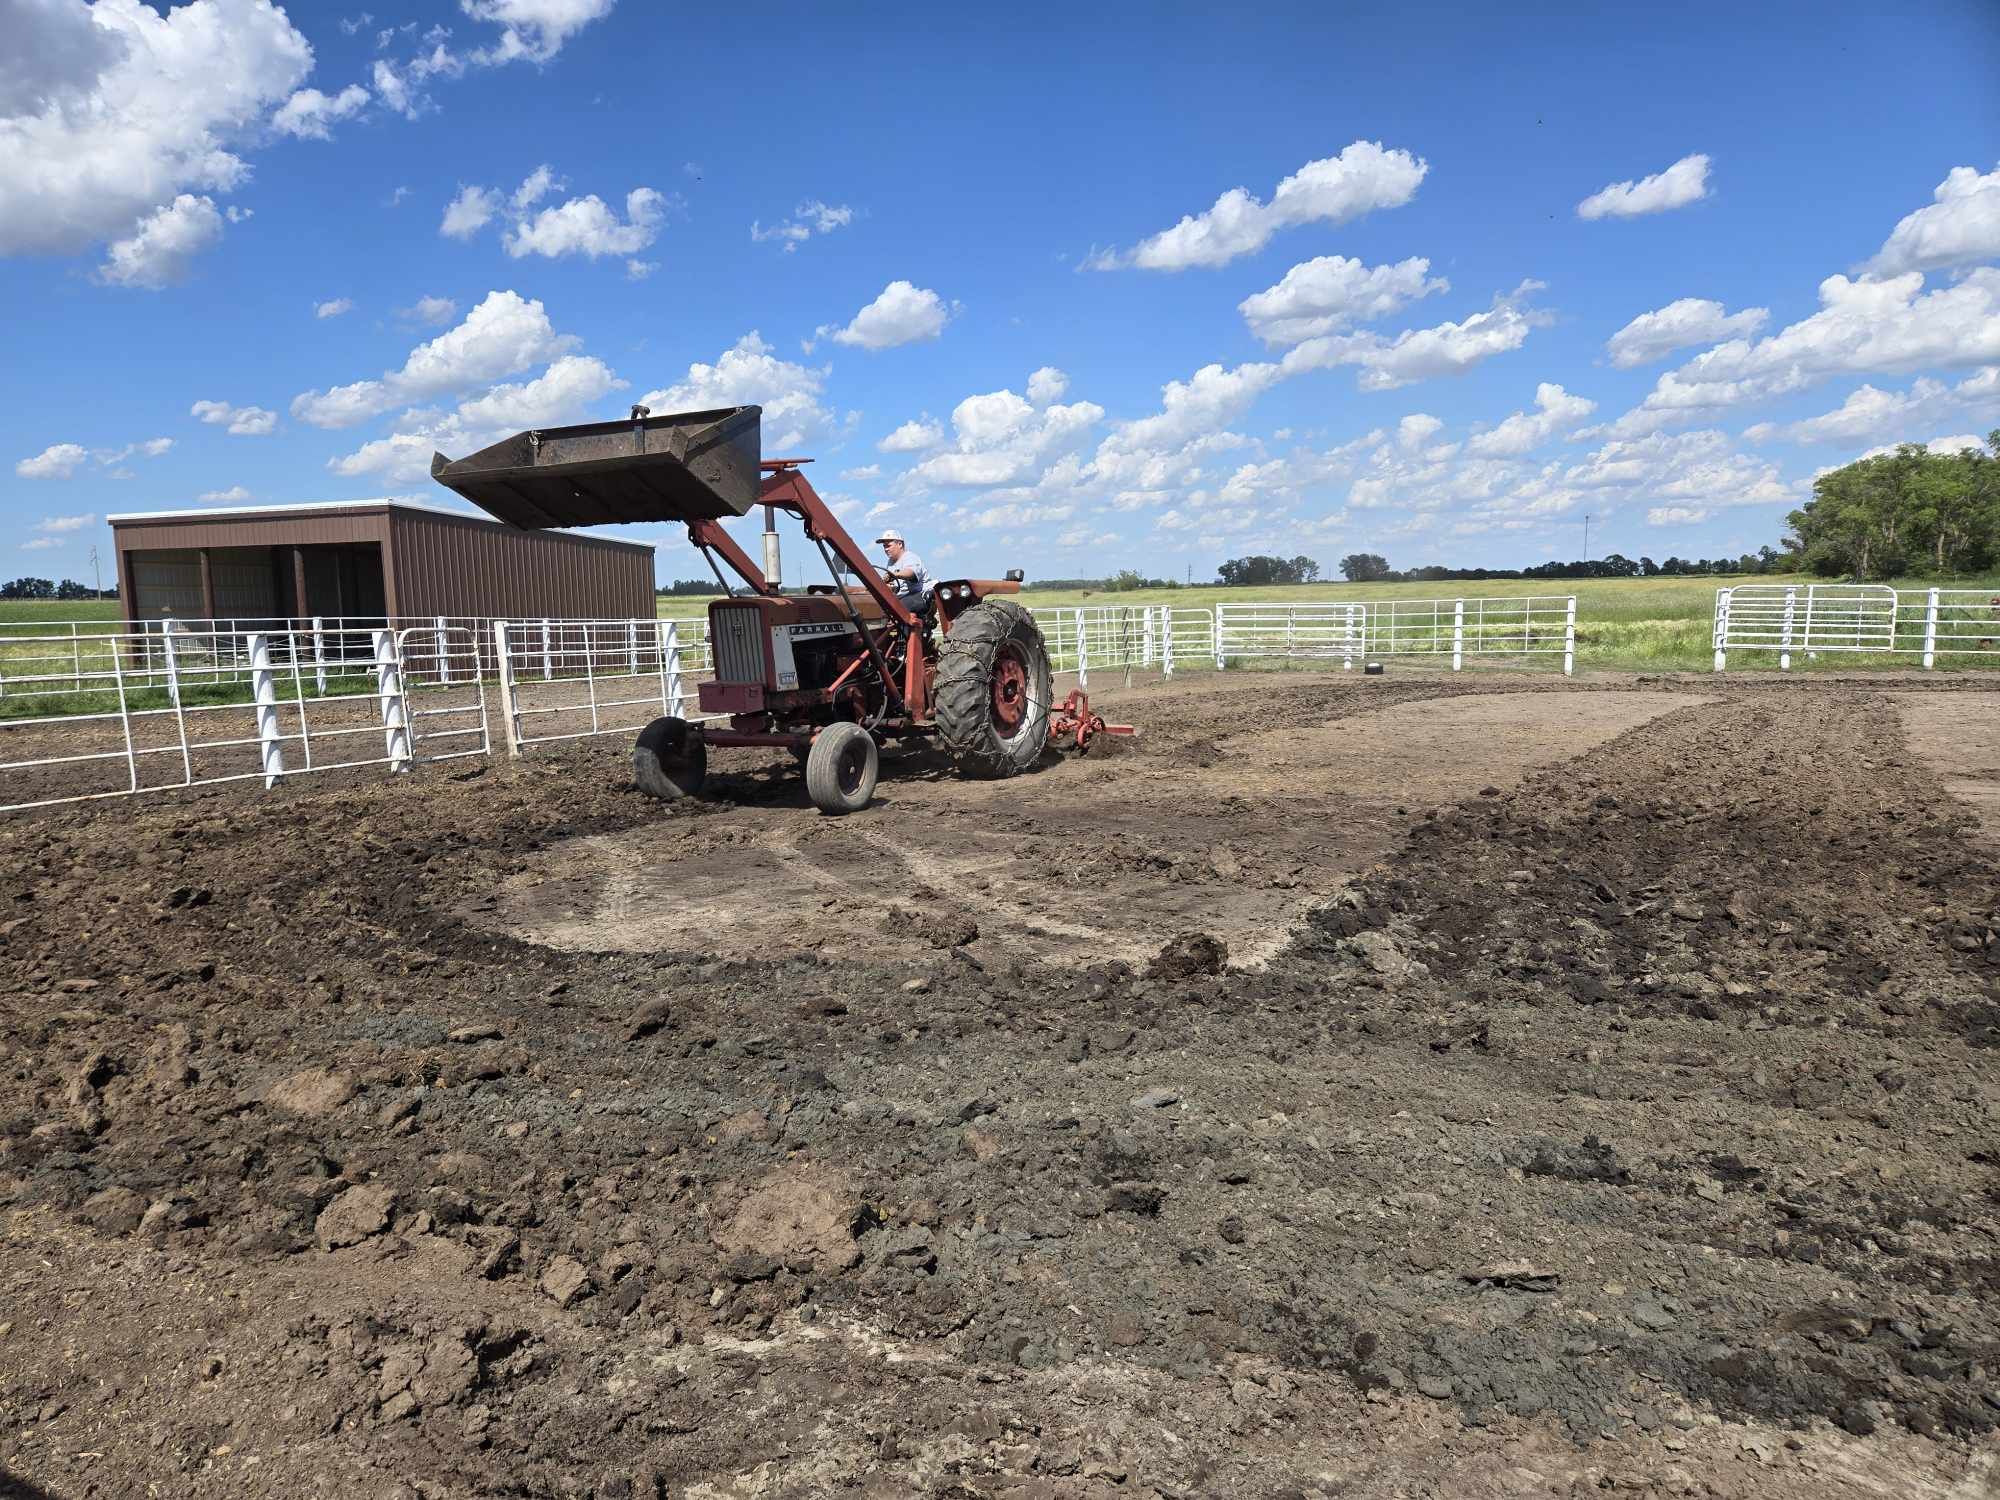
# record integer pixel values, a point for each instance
(686, 466)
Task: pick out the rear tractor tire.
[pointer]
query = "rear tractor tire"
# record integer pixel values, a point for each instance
(841, 768)
(670, 760)
(992, 690)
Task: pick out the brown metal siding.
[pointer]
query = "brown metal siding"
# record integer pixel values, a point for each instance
(369, 525)
(437, 564)
(445, 566)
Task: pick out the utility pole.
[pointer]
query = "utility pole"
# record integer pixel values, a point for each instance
(96, 576)
(1586, 536)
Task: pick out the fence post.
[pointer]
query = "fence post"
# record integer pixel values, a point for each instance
(548, 661)
(1785, 631)
(389, 692)
(670, 669)
(1166, 640)
(443, 659)
(173, 667)
(319, 655)
(632, 646)
(76, 654)
(1721, 628)
(1930, 630)
(1082, 656)
(1220, 664)
(1457, 634)
(1569, 637)
(509, 713)
(264, 690)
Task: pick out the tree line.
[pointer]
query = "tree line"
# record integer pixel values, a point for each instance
(1372, 567)
(1911, 511)
(43, 588)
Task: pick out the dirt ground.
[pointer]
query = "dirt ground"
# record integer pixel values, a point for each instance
(1354, 1087)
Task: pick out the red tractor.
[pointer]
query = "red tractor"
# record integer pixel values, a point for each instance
(830, 674)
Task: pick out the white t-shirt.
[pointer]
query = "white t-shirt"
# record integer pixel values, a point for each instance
(915, 589)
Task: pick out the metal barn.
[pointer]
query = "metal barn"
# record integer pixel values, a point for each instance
(369, 560)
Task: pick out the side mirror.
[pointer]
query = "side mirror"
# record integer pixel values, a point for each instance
(1015, 575)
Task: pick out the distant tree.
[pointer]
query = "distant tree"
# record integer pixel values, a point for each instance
(1648, 568)
(689, 586)
(1124, 582)
(69, 588)
(28, 588)
(1245, 572)
(1364, 567)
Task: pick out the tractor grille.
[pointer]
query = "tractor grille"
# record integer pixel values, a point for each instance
(738, 643)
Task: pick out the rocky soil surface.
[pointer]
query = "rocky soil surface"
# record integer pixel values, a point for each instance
(1625, 1124)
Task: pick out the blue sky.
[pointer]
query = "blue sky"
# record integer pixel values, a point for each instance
(1075, 289)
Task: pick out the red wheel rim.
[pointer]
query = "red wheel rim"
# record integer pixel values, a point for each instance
(1010, 692)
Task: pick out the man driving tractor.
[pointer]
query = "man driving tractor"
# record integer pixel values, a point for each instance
(905, 571)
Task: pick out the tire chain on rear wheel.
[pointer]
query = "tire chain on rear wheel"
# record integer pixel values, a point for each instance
(964, 690)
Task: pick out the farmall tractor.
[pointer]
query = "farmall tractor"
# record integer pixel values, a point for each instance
(830, 674)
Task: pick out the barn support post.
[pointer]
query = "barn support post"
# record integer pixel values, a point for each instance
(510, 714)
(1569, 637)
(395, 705)
(264, 691)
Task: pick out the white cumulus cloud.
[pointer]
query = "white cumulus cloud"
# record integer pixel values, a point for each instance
(533, 30)
(471, 211)
(57, 461)
(1870, 325)
(903, 314)
(1424, 353)
(808, 219)
(333, 308)
(114, 114)
(750, 373)
(1364, 177)
(312, 114)
(504, 334)
(913, 437)
(1960, 228)
(1047, 384)
(1333, 292)
(63, 525)
(1680, 325)
(241, 421)
(1685, 182)
(561, 393)
(1676, 515)
(430, 310)
(1556, 410)
(234, 495)
(587, 226)
(161, 248)
(1003, 438)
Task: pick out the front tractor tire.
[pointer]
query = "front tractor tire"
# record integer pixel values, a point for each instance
(841, 768)
(670, 760)
(992, 690)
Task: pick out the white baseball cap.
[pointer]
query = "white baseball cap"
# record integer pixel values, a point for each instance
(889, 536)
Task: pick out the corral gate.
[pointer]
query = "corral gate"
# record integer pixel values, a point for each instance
(1830, 617)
